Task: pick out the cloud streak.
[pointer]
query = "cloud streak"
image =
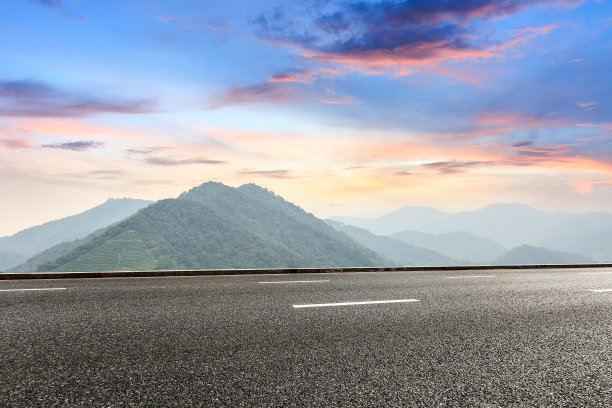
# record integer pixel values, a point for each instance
(29, 98)
(79, 146)
(165, 161)
(279, 174)
(457, 166)
(48, 3)
(269, 92)
(14, 144)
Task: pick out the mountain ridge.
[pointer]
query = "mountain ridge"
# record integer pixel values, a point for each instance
(31, 241)
(217, 226)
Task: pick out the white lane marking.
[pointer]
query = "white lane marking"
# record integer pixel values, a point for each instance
(470, 277)
(369, 302)
(23, 290)
(600, 290)
(595, 273)
(300, 281)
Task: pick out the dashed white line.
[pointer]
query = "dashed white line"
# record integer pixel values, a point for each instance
(600, 290)
(470, 277)
(300, 281)
(31, 289)
(369, 302)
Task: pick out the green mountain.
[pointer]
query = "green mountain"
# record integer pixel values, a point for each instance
(527, 254)
(457, 245)
(32, 241)
(218, 227)
(396, 251)
(261, 211)
(53, 253)
(176, 234)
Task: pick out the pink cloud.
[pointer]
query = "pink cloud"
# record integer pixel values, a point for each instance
(587, 106)
(306, 76)
(266, 92)
(16, 144)
(596, 125)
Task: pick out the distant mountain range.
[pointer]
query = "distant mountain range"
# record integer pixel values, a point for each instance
(216, 226)
(17, 248)
(457, 245)
(508, 225)
(397, 252)
(527, 254)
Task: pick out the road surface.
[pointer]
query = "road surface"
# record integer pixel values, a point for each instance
(448, 338)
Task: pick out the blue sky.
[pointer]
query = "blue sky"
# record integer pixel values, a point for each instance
(344, 107)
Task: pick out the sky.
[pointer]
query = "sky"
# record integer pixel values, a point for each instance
(355, 107)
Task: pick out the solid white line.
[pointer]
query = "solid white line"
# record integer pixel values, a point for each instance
(370, 302)
(595, 273)
(600, 290)
(470, 276)
(22, 290)
(303, 281)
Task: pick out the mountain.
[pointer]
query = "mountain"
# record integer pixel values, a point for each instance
(267, 214)
(9, 258)
(175, 234)
(458, 245)
(527, 254)
(396, 251)
(53, 253)
(585, 236)
(33, 240)
(424, 219)
(508, 224)
(216, 226)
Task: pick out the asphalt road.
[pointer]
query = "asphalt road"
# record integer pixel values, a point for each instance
(473, 339)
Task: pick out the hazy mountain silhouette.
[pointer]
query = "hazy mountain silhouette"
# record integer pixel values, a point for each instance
(527, 254)
(53, 253)
(396, 251)
(457, 245)
(31, 241)
(508, 224)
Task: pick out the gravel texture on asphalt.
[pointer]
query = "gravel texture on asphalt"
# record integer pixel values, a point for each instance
(518, 339)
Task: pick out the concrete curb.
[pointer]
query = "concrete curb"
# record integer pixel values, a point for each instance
(216, 272)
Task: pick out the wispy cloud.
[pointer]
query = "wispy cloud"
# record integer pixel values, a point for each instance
(403, 173)
(280, 174)
(596, 125)
(303, 75)
(587, 106)
(374, 36)
(78, 146)
(145, 150)
(499, 122)
(555, 152)
(48, 3)
(456, 166)
(16, 143)
(331, 98)
(189, 25)
(97, 174)
(165, 161)
(37, 99)
(268, 92)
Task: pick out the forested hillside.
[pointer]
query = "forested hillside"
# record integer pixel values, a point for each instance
(216, 226)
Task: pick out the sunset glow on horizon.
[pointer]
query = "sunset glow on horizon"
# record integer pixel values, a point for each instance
(342, 107)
